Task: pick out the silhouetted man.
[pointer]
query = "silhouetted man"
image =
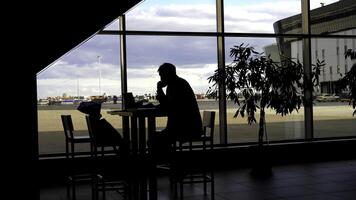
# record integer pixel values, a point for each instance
(184, 120)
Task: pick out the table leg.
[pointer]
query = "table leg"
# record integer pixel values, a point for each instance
(142, 135)
(143, 188)
(126, 133)
(151, 126)
(134, 136)
(152, 176)
(152, 184)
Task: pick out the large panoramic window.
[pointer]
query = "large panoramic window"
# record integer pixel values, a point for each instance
(93, 69)
(89, 71)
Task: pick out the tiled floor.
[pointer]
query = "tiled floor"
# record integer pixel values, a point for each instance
(312, 181)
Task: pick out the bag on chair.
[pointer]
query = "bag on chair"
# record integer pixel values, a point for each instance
(91, 108)
(107, 134)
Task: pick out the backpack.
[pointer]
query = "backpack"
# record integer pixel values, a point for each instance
(106, 134)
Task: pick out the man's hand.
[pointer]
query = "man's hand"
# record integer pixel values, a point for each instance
(161, 85)
(160, 94)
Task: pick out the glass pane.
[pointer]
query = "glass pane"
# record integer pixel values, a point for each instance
(332, 112)
(332, 16)
(173, 15)
(91, 69)
(194, 58)
(279, 127)
(261, 16)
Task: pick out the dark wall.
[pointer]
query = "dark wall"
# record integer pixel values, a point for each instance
(38, 33)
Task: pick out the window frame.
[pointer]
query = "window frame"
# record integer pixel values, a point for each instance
(220, 35)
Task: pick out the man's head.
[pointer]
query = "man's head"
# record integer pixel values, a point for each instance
(167, 72)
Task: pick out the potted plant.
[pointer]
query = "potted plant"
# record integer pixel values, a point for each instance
(263, 84)
(349, 80)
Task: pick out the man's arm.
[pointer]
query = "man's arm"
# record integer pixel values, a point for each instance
(161, 97)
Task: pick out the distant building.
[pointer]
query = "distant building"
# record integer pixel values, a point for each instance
(98, 98)
(272, 51)
(200, 96)
(338, 18)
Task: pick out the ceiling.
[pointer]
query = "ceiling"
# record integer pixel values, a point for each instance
(52, 28)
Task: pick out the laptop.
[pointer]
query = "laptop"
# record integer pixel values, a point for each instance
(129, 101)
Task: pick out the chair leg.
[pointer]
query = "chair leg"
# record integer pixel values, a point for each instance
(94, 187)
(68, 185)
(175, 189)
(212, 190)
(125, 192)
(104, 189)
(95, 152)
(67, 149)
(91, 150)
(74, 196)
(205, 182)
(181, 189)
(72, 149)
(173, 181)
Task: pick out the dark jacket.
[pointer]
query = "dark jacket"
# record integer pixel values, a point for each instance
(184, 120)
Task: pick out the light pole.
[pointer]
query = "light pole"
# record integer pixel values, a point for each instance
(78, 87)
(331, 79)
(99, 63)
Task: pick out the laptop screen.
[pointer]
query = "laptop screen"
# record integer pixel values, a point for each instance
(129, 100)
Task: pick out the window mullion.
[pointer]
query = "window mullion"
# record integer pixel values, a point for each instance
(308, 87)
(221, 65)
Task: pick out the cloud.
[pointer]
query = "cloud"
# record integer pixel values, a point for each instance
(148, 51)
(258, 17)
(64, 70)
(63, 77)
(199, 17)
(197, 77)
(106, 46)
(253, 17)
(73, 87)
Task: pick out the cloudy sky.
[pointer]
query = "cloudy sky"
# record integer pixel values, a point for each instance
(93, 68)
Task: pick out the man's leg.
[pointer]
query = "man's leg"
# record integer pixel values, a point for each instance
(161, 145)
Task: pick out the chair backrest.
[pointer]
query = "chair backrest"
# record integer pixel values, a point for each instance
(91, 126)
(67, 126)
(208, 133)
(93, 130)
(208, 123)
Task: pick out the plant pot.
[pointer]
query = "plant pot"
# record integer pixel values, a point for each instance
(261, 166)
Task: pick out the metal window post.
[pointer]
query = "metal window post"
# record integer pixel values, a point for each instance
(221, 65)
(123, 67)
(123, 58)
(308, 87)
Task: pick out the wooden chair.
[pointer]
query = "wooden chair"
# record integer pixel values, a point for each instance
(73, 176)
(182, 173)
(71, 139)
(114, 179)
(106, 178)
(98, 146)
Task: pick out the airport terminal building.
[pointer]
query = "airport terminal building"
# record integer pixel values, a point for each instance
(331, 22)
